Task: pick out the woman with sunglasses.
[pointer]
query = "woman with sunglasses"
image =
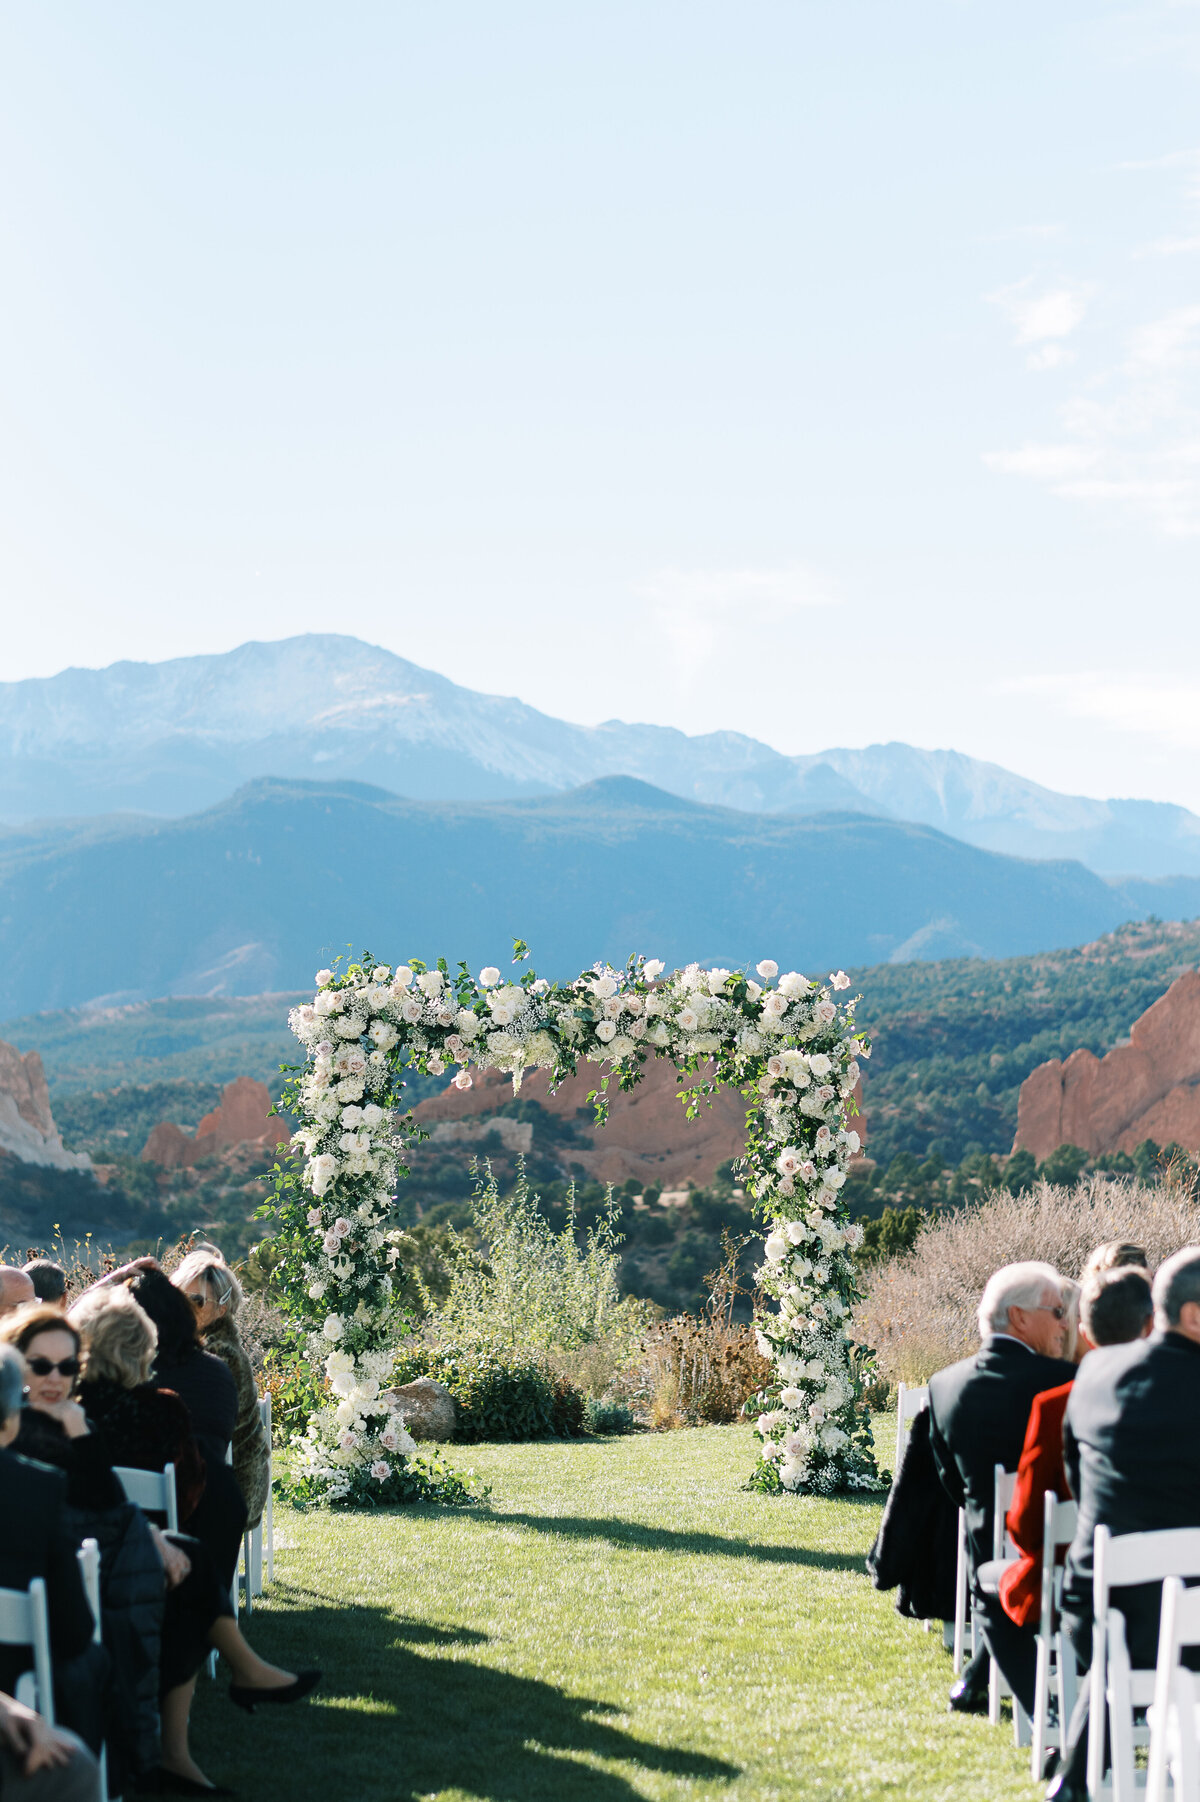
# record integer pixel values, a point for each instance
(54, 1428)
(216, 1298)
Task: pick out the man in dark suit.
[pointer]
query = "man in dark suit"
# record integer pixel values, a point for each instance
(979, 1410)
(35, 1543)
(1131, 1443)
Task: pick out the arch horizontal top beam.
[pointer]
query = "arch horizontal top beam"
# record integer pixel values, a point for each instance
(784, 1041)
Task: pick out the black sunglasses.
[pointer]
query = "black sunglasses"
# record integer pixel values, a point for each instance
(44, 1367)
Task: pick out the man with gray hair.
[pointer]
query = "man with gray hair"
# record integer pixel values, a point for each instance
(978, 1413)
(1131, 1446)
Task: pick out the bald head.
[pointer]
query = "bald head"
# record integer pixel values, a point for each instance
(15, 1289)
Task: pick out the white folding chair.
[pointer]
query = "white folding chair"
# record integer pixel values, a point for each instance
(909, 1403)
(24, 1621)
(1175, 1713)
(263, 1535)
(964, 1615)
(152, 1490)
(1056, 1674)
(89, 1569)
(1004, 1553)
(1116, 1687)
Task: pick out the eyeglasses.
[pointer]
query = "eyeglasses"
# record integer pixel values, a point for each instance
(45, 1367)
(198, 1301)
(1058, 1313)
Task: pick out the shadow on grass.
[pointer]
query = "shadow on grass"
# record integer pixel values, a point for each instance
(637, 1536)
(391, 1722)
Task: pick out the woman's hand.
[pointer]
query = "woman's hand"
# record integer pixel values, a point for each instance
(69, 1415)
(175, 1560)
(31, 1739)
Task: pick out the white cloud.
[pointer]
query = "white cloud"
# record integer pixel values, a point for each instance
(1131, 436)
(697, 611)
(1042, 320)
(1162, 707)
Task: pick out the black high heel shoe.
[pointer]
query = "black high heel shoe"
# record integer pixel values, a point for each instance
(246, 1697)
(172, 1783)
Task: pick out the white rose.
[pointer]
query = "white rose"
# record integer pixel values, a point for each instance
(606, 1030)
(717, 980)
(819, 1064)
(322, 977)
(333, 1327)
(316, 1291)
(653, 968)
(463, 1080)
(380, 1469)
(840, 980)
(791, 1398)
(402, 977)
(792, 1473)
(689, 1019)
(774, 1005)
(775, 1246)
(490, 977)
(768, 969)
(826, 1012)
(793, 985)
(853, 1141)
(603, 987)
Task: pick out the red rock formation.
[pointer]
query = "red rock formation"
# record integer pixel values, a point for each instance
(1148, 1089)
(648, 1136)
(243, 1118)
(27, 1128)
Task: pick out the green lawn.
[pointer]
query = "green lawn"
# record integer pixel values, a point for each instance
(622, 1621)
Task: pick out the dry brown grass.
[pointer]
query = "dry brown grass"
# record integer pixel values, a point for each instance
(919, 1310)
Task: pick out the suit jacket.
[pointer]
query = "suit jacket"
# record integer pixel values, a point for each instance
(916, 1549)
(1040, 1469)
(34, 1542)
(1131, 1444)
(979, 1411)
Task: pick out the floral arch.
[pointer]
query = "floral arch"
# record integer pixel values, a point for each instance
(783, 1041)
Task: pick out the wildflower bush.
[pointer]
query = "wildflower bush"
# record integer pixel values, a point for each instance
(919, 1309)
(786, 1044)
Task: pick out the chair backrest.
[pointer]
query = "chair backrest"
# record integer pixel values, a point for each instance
(152, 1490)
(264, 1412)
(1058, 1530)
(909, 1403)
(89, 1569)
(1006, 1482)
(1126, 1558)
(24, 1621)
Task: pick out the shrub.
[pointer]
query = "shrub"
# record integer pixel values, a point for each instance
(919, 1308)
(534, 1288)
(500, 1394)
(608, 1417)
(701, 1368)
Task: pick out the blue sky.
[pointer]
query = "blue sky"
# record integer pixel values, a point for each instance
(830, 372)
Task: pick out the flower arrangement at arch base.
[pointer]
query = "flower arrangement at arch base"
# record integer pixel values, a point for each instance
(786, 1044)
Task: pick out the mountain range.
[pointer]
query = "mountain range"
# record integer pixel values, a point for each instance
(254, 893)
(169, 739)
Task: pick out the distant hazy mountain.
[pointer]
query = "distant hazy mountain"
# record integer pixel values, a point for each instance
(256, 893)
(168, 738)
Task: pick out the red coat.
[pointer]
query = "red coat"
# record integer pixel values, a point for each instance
(1040, 1469)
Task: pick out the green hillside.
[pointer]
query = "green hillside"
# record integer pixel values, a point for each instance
(953, 1041)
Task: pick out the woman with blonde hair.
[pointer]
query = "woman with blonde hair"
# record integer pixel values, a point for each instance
(147, 1427)
(216, 1298)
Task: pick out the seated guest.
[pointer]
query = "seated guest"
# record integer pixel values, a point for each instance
(1131, 1443)
(216, 1296)
(144, 1431)
(49, 1282)
(978, 1413)
(41, 1763)
(16, 1290)
(1116, 1254)
(203, 1383)
(136, 1559)
(140, 1424)
(34, 1542)
(1116, 1309)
